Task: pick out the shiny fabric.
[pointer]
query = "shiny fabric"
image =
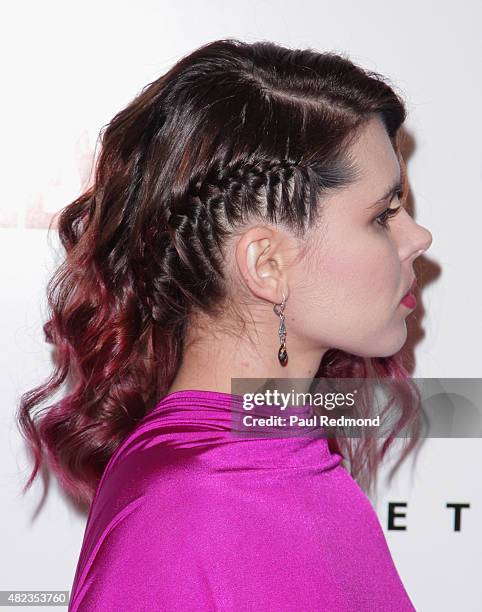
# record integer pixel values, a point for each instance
(190, 517)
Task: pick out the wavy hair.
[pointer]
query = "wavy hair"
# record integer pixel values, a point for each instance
(233, 132)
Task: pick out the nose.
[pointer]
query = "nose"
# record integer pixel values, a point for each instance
(417, 240)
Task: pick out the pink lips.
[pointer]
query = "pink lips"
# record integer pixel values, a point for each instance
(409, 299)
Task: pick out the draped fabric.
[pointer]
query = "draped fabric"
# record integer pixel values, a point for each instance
(190, 517)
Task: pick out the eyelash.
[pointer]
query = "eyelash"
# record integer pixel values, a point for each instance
(389, 213)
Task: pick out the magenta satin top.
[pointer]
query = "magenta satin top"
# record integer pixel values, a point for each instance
(189, 517)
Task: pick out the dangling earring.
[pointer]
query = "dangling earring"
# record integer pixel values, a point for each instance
(282, 352)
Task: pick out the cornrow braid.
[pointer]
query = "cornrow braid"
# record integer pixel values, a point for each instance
(187, 260)
(241, 171)
(229, 194)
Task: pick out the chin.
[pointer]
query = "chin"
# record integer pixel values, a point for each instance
(387, 343)
(394, 344)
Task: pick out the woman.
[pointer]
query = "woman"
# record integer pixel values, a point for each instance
(250, 178)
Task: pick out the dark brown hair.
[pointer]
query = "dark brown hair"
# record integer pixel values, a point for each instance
(234, 132)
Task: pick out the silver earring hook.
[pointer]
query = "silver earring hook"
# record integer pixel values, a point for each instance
(279, 308)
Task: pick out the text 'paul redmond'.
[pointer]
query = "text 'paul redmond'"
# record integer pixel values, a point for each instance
(315, 420)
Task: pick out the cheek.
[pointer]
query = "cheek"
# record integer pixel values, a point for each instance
(348, 298)
(355, 270)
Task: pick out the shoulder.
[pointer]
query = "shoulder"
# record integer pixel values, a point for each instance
(147, 481)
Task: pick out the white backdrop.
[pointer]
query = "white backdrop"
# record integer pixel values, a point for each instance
(68, 68)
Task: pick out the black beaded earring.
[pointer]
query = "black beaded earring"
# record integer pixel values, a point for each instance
(282, 352)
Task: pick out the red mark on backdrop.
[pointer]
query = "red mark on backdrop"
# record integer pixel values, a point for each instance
(36, 215)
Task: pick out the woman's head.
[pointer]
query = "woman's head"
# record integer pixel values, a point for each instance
(236, 144)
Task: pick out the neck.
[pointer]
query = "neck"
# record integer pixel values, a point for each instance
(213, 357)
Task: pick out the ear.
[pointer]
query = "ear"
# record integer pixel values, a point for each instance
(261, 259)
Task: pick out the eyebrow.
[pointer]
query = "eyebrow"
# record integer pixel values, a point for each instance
(390, 194)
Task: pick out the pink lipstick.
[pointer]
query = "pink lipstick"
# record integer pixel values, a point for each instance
(409, 299)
